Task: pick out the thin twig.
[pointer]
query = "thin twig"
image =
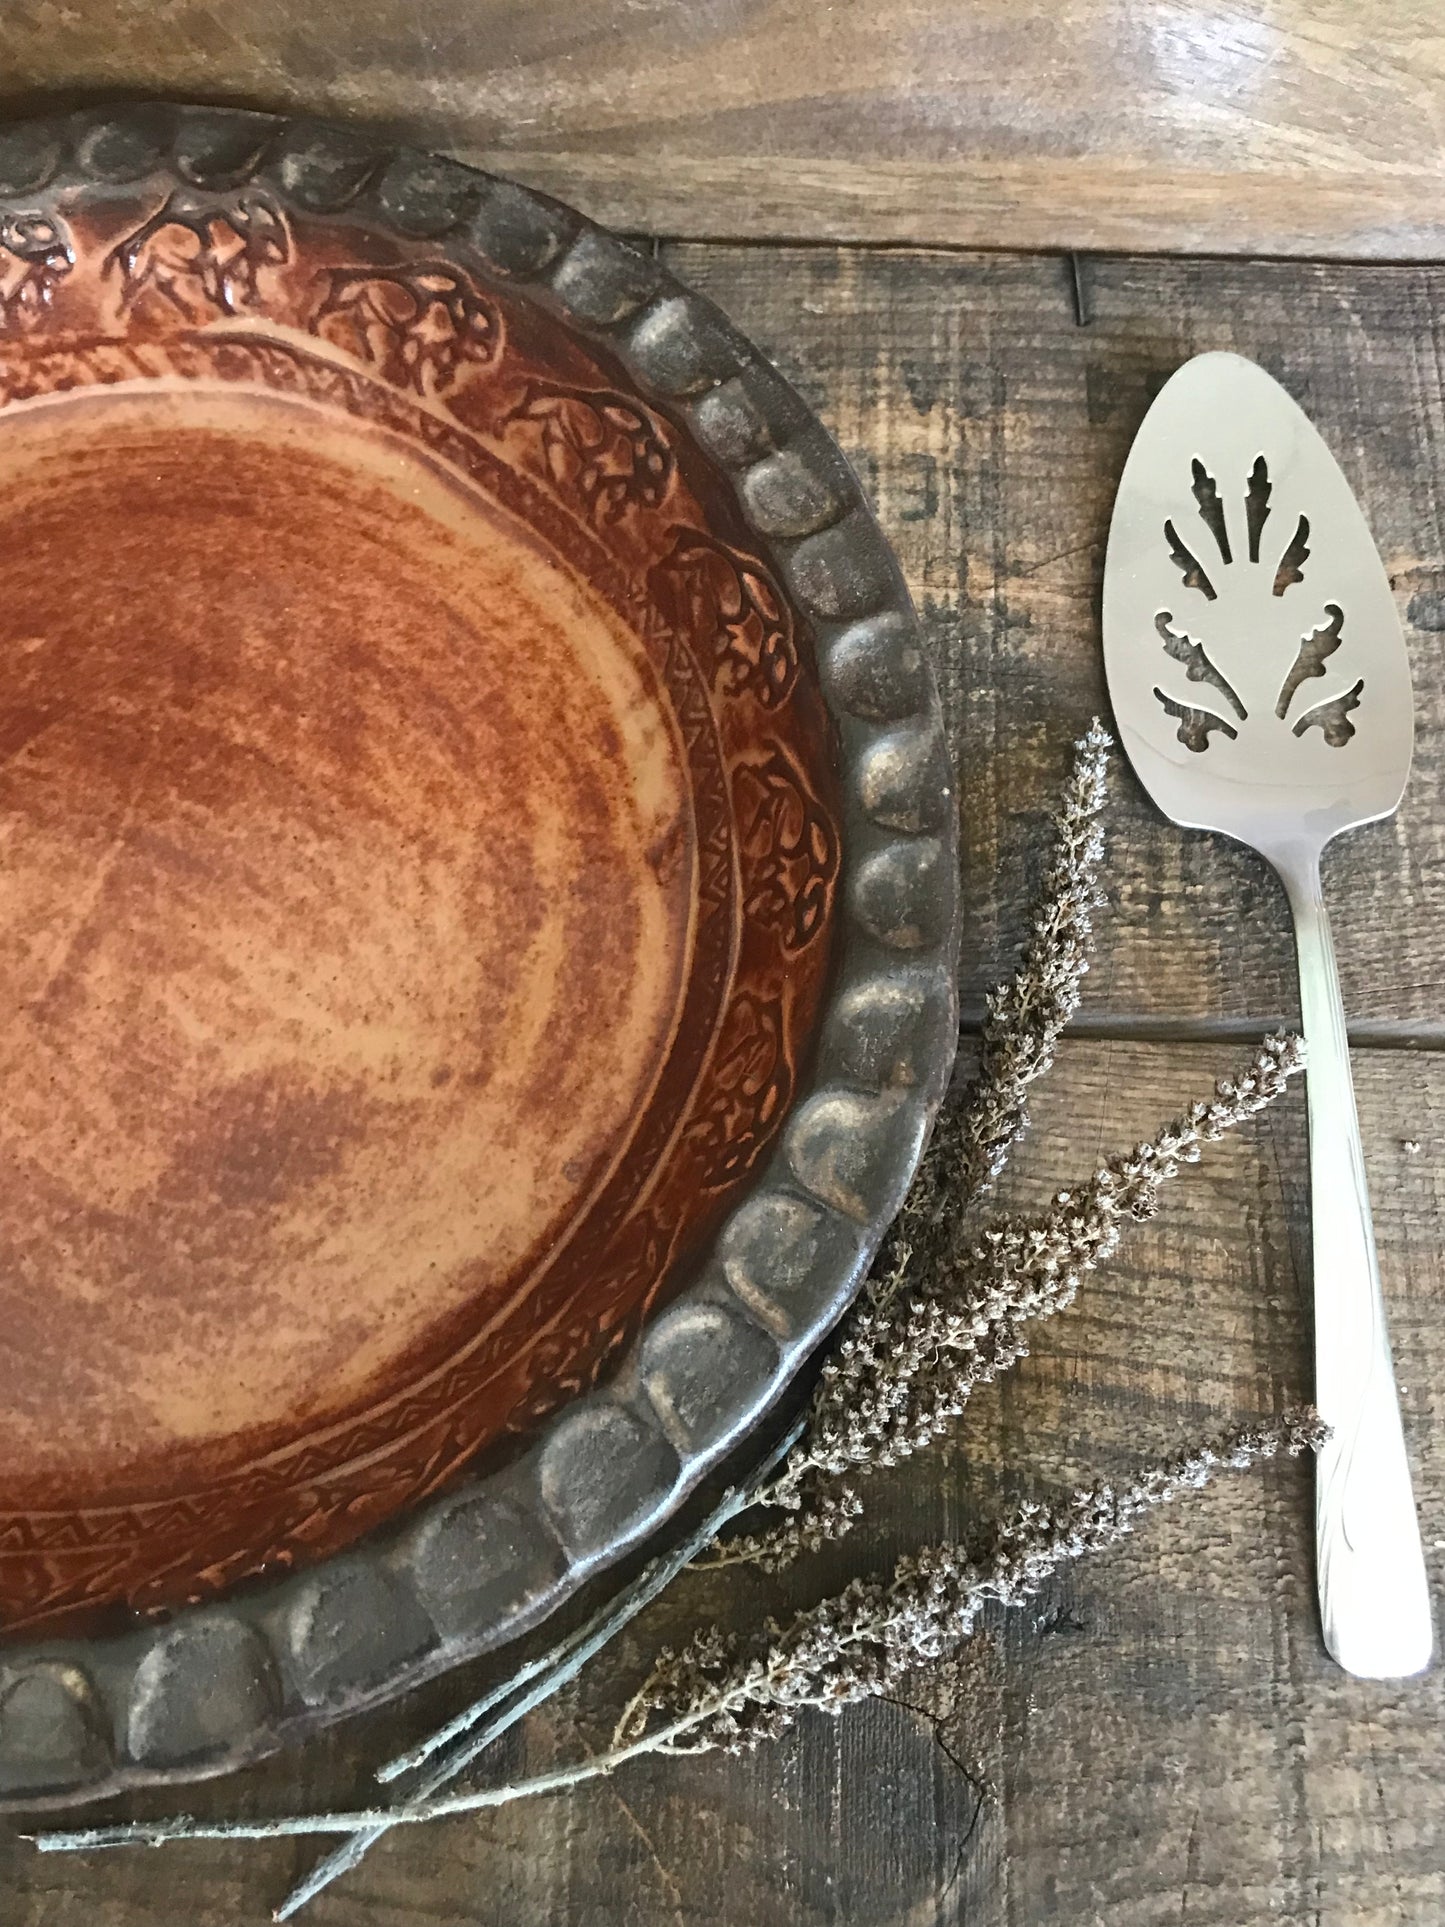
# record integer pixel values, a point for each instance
(550, 1671)
(850, 1647)
(942, 1313)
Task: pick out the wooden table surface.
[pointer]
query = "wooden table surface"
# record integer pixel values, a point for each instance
(1160, 1741)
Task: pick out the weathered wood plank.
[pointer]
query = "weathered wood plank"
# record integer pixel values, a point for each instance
(1163, 1735)
(991, 430)
(1278, 126)
(1189, 1753)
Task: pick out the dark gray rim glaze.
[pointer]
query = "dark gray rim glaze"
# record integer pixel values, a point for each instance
(218, 1685)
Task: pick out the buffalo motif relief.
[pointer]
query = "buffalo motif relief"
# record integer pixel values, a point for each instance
(419, 326)
(35, 253)
(201, 255)
(606, 450)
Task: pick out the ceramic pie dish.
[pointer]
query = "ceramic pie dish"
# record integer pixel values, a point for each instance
(477, 920)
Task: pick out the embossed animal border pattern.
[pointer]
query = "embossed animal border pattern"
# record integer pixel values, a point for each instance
(234, 287)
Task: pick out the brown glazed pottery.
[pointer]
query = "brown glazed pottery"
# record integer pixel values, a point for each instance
(470, 793)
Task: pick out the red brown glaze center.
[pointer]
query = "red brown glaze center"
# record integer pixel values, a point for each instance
(345, 908)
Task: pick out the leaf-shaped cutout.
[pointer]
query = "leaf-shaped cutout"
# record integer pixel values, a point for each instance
(1256, 503)
(1211, 509)
(1197, 666)
(1313, 650)
(1333, 717)
(1194, 724)
(1292, 562)
(1188, 563)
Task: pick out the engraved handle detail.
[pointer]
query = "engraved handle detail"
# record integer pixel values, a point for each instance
(1374, 1598)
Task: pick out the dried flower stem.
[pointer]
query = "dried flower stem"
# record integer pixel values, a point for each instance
(1024, 1022)
(901, 1375)
(858, 1644)
(970, 1144)
(869, 1637)
(1027, 1014)
(943, 1313)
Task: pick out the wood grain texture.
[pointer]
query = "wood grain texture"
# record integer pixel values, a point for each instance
(1274, 126)
(1163, 1740)
(990, 429)
(1162, 1736)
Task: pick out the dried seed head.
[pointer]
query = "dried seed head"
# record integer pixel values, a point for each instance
(904, 1369)
(864, 1640)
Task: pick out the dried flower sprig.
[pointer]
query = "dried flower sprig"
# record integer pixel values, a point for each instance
(942, 1313)
(855, 1645)
(868, 1638)
(971, 1141)
(954, 1340)
(899, 1377)
(1026, 1015)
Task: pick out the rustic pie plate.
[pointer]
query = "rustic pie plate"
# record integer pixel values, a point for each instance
(477, 920)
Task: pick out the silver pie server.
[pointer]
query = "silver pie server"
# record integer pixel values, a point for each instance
(1261, 688)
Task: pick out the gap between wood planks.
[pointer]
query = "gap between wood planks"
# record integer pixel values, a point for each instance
(1102, 1027)
(820, 244)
